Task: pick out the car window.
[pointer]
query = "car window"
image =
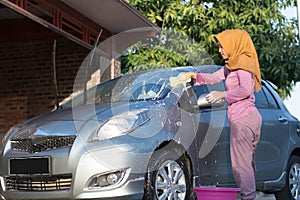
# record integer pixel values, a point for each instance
(261, 100)
(147, 90)
(151, 85)
(200, 89)
(264, 99)
(271, 100)
(205, 89)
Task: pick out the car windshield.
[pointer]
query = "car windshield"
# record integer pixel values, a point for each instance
(142, 86)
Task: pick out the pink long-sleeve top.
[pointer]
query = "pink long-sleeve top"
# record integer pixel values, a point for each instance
(239, 92)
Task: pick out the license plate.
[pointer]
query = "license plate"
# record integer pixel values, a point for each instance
(29, 166)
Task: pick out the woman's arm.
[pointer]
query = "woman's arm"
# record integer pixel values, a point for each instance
(204, 78)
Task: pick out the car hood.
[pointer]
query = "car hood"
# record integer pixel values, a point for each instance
(63, 122)
(80, 113)
(67, 122)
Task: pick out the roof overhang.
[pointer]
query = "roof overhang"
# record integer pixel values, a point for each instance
(111, 16)
(115, 15)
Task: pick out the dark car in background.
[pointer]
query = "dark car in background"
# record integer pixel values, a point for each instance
(135, 137)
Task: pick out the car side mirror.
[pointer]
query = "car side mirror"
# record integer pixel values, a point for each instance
(203, 103)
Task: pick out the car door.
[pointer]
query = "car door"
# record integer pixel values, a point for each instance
(272, 148)
(213, 140)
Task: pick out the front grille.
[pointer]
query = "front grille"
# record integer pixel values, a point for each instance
(44, 144)
(40, 183)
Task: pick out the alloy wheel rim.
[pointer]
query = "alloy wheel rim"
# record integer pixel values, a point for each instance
(294, 181)
(170, 182)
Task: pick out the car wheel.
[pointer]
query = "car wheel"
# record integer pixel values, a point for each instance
(167, 177)
(291, 189)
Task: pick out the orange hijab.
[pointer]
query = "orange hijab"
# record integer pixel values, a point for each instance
(241, 53)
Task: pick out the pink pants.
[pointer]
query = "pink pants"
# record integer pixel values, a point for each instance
(244, 136)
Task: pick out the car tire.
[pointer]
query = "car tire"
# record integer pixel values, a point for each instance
(167, 177)
(291, 189)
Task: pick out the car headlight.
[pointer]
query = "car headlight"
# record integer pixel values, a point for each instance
(120, 125)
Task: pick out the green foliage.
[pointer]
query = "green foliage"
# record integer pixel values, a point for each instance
(168, 48)
(274, 36)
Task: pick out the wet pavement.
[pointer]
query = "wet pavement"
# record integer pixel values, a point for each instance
(262, 196)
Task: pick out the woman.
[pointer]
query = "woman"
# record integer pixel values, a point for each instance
(242, 76)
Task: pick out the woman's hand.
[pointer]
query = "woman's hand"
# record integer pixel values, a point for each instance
(214, 96)
(187, 75)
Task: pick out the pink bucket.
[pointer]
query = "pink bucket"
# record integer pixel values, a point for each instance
(216, 193)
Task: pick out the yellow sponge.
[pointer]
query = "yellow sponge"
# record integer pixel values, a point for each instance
(177, 81)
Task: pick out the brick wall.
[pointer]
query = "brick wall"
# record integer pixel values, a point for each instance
(26, 72)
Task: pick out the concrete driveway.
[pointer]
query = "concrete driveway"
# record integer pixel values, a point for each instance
(262, 196)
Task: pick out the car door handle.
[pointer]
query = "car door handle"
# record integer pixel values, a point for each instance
(283, 120)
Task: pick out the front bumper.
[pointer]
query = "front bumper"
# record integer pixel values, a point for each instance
(83, 163)
(133, 189)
